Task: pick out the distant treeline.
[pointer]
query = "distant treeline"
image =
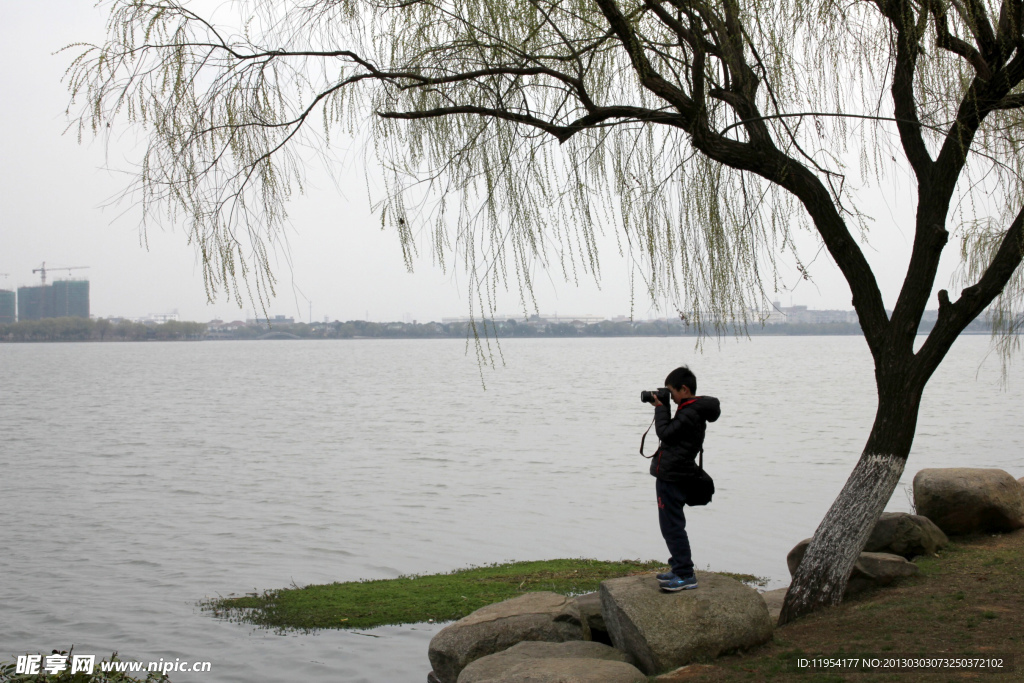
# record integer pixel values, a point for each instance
(82, 329)
(85, 329)
(514, 328)
(361, 329)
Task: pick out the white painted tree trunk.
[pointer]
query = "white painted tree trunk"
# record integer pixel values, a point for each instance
(825, 570)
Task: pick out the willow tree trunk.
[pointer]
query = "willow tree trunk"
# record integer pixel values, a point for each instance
(821, 578)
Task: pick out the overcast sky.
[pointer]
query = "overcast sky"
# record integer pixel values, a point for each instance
(56, 208)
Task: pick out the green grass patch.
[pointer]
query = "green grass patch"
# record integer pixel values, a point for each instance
(434, 597)
(412, 599)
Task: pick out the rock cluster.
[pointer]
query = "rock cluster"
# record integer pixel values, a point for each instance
(630, 629)
(871, 569)
(546, 637)
(532, 616)
(896, 538)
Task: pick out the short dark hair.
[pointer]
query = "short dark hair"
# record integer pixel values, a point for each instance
(682, 377)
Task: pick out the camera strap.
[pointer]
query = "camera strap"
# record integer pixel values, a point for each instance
(642, 438)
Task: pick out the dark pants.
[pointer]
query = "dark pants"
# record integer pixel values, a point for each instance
(673, 527)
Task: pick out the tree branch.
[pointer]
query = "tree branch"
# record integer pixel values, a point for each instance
(954, 317)
(904, 103)
(947, 41)
(766, 160)
(649, 77)
(975, 16)
(562, 133)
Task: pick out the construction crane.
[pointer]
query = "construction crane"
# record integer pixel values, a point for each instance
(42, 270)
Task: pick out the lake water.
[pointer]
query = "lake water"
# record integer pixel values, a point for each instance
(138, 479)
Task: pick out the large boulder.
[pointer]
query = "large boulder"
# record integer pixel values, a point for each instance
(532, 616)
(537, 662)
(589, 605)
(871, 569)
(904, 534)
(963, 500)
(663, 631)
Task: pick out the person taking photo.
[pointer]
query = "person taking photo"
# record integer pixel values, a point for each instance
(674, 465)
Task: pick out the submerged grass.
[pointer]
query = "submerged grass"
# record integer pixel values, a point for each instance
(412, 599)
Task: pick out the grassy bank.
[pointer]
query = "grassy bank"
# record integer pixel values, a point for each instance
(967, 601)
(412, 599)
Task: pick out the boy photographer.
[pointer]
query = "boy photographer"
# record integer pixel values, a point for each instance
(674, 465)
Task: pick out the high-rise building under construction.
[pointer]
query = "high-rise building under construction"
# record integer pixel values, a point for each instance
(64, 298)
(8, 308)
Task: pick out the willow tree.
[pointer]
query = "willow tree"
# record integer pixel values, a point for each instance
(511, 132)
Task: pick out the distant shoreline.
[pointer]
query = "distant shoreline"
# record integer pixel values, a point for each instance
(102, 330)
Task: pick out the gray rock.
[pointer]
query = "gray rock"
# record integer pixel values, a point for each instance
(901, 533)
(667, 630)
(871, 569)
(569, 671)
(774, 599)
(589, 605)
(431, 678)
(569, 661)
(963, 500)
(878, 569)
(532, 616)
(796, 555)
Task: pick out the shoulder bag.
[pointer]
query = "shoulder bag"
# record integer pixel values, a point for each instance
(699, 487)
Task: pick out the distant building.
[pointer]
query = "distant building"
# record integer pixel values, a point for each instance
(8, 307)
(158, 319)
(276, 320)
(70, 298)
(62, 299)
(808, 316)
(536, 320)
(32, 303)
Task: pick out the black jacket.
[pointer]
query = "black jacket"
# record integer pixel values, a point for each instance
(682, 437)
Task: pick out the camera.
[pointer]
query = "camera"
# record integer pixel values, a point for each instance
(661, 394)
